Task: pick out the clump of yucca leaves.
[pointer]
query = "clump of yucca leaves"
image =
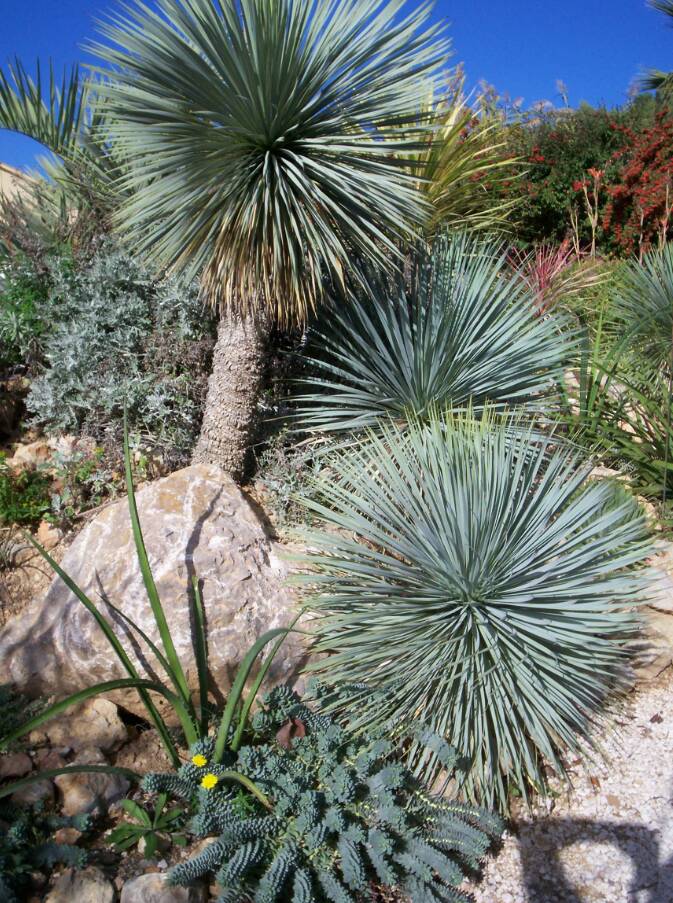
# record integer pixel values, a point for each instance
(468, 571)
(460, 328)
(345, 815)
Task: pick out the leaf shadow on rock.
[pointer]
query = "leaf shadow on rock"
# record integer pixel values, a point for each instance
(192, 545)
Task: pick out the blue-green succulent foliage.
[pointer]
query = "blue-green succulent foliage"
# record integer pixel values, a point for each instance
(345, 814)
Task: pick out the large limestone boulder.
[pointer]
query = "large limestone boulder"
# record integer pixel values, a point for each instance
(195, 522)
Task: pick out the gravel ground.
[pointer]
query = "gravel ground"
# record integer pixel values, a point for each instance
(611, 839)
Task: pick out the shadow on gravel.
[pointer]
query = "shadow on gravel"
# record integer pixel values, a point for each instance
(544, 876)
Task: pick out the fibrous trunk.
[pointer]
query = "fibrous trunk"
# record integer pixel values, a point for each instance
(230, 415)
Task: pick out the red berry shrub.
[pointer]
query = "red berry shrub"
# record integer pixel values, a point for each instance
(640, 188)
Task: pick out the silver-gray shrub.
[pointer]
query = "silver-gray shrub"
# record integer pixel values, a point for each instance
(116, 337)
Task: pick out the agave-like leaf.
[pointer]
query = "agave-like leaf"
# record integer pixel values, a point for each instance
(462, 330)
(464, 164)
(642, 305)
(470, 578)
(268, 142)
(51, 112)
(68, 119)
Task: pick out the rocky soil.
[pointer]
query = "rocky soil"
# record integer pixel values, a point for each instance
(611, 839)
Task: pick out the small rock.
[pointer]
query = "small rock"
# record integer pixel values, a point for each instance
(154, 889)
(40, 791)
(46, 759)
(144, 753)
(15, 765)
(95, 723)
(199, 847)
(67, 835)
(29, 456)
(86, 886)
(83, 793)
(48, 535)
(37, 738)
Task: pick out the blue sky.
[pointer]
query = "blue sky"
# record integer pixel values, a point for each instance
(522, 46)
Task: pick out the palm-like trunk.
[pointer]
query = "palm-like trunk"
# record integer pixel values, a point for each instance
(230, 416)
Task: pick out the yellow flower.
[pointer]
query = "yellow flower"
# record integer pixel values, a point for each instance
(209, 781)
(199, 760)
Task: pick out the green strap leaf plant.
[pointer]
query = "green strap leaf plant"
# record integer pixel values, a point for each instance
(175, 672)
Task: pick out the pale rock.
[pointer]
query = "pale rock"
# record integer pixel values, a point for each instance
(153, 888)
(653, 653)
(29, 455)
(95, 722)
(661, 597)
(48, 535)
(196, 522)
(15, 765)
(84, 793)
(85, 886)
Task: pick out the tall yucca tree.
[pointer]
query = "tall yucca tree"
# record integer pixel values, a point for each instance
(268, 144)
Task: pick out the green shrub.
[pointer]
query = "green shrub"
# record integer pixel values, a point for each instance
(471, 574)
(345, 815)
(22, 321)
(150, 827)
(283, 471)
(25, 497)
(82, 480)
(117, 338)
(643, 306)
(26, 846)
(461, 329)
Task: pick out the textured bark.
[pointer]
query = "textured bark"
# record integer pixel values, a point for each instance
(230, 416)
